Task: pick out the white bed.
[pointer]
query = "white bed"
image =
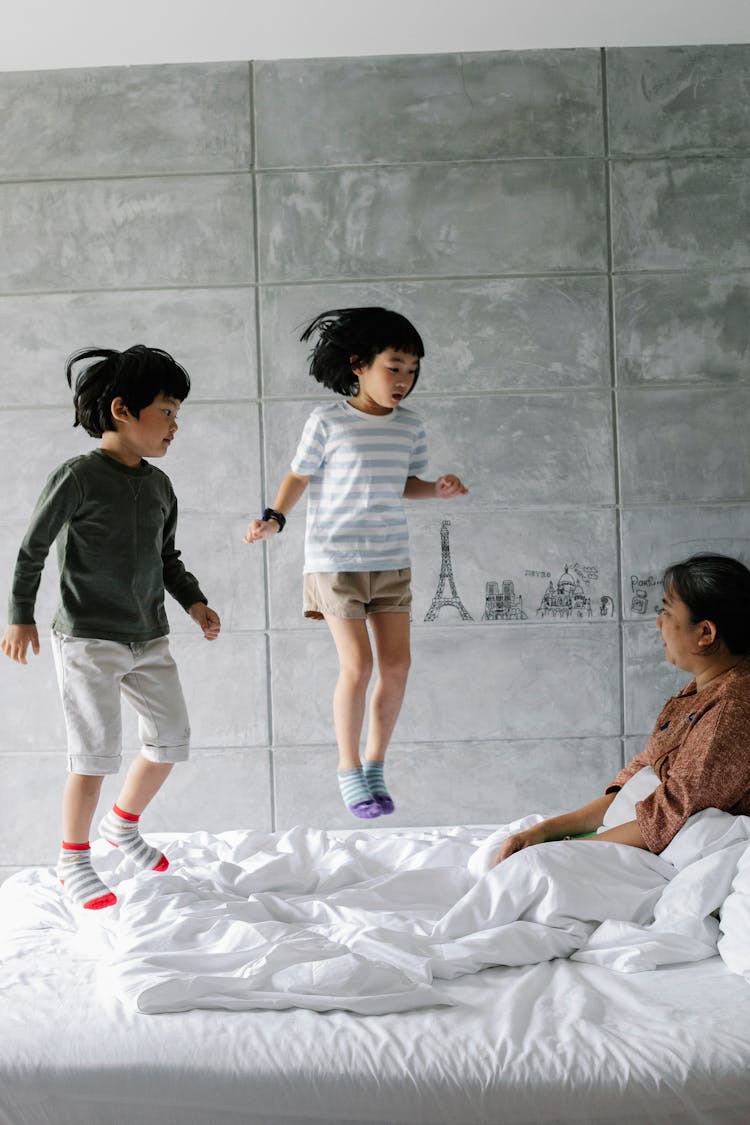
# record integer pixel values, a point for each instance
(559, 1041)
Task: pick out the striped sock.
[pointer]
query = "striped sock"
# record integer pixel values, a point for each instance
(376, 784)
(356, 794)
(81, 882)
(120, 829)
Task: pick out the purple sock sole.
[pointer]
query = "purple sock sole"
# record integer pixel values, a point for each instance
(366, 810)
(386, 804)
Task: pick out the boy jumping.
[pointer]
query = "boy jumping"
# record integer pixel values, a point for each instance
(113, 516)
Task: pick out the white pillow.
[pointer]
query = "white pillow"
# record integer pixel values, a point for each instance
(636, 788)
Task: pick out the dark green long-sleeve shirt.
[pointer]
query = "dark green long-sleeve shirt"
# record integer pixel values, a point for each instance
(115, 531)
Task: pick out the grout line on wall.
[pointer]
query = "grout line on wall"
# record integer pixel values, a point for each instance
(384, 279)
(612, 337)
(738, 154)
(261, 748)
(548, 158)
(261, 447)
(566, 389)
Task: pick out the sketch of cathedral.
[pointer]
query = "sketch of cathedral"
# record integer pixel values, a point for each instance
(606, 606)
(565, 599)
(446, 579)
(502, 605)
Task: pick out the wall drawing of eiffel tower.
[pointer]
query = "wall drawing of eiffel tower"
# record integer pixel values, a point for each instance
(446, 578)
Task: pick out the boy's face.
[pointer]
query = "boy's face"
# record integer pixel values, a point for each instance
(150, 434)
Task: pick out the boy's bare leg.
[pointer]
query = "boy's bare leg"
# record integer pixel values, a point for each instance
(74, 869)
(143, 781)
(80, 798)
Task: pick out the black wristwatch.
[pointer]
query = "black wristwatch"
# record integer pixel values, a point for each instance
(270, 514)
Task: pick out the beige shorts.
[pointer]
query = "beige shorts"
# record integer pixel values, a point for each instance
(94, 675)
(355, 593)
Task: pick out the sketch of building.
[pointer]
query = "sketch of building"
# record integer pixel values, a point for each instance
(502, 605)
(567, 598)
(446, 579)
(606, 606)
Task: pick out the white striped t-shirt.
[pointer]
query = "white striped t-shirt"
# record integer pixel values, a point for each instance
(358, 464)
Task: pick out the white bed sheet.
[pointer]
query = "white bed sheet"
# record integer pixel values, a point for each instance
(554, 1042)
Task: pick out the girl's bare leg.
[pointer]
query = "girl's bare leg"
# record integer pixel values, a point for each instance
(349, 698)
(391, 632)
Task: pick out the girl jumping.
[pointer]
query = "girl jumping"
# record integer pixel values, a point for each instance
(361, 457)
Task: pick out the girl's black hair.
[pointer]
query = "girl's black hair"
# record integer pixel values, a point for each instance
(361, 333)
(136, 375)
(715, 588)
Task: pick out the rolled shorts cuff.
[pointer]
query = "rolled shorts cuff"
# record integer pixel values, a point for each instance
(94, 765)
(166, 754)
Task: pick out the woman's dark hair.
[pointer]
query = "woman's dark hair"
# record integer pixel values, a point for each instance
(362, 333)
(715, 588)
(136, 375)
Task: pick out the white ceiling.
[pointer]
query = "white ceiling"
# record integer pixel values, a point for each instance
(49, 34)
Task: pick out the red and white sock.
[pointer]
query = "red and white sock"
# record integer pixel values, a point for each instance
(120, 828)
(81, 882)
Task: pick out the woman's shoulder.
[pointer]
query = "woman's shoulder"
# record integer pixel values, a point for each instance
(736, 685)
(728, 698)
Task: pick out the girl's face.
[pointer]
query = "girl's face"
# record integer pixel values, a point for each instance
(385, 382)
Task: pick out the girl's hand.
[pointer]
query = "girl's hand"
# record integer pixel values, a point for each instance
(449, 485)
(521, 840)
(260, 529)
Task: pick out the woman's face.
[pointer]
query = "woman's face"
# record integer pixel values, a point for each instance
(679, 635)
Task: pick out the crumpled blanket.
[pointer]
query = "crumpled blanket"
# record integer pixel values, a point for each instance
(372, 922)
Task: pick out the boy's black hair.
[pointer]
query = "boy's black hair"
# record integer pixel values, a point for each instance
(715, 588)
(136, 375)
(361, 333)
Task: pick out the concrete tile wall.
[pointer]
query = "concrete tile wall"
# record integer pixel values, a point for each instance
(568, 229)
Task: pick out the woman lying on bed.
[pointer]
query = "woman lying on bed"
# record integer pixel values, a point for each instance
(698, 756)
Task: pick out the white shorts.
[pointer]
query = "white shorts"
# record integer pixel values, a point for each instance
(93, 675)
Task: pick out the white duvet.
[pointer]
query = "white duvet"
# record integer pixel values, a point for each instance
(372, 922)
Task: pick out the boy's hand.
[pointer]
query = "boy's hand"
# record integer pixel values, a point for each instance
(207, 619)
(450, 485)
(17, 640)
(261, 529)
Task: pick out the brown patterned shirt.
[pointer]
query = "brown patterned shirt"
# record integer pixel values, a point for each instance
(700, 749)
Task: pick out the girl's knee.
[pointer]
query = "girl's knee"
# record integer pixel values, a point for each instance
(358, 672)
(396, 670)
